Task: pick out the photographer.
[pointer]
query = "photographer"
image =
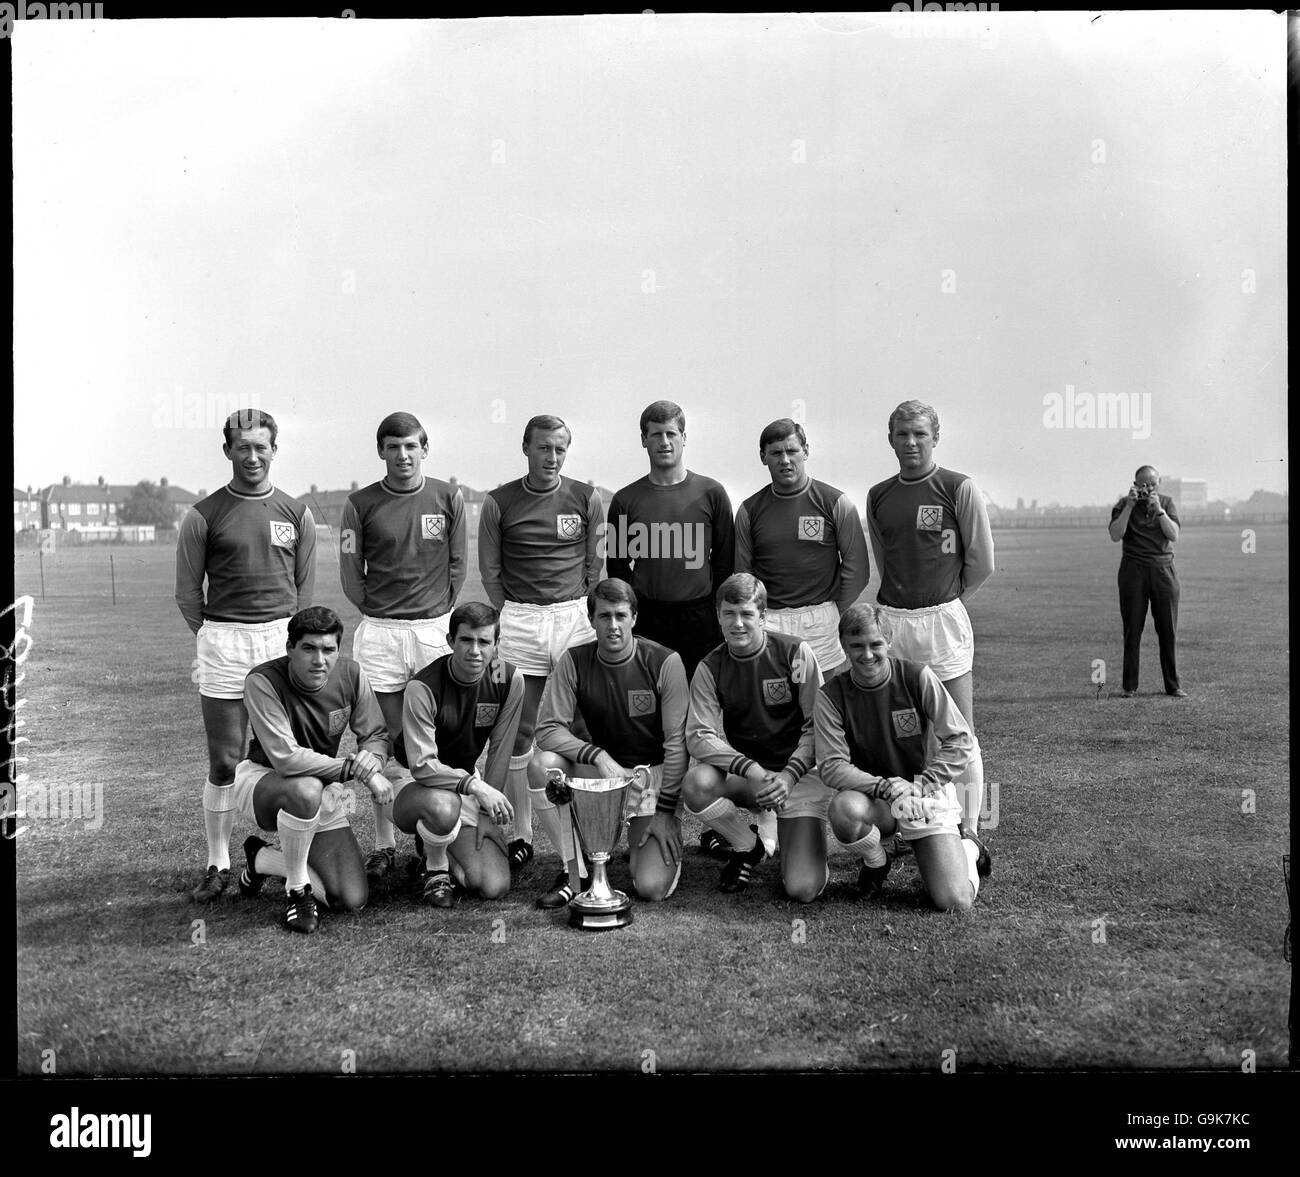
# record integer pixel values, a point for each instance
(1147, 522)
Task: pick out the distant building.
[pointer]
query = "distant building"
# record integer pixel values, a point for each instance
(90, 507)
(1190, 495)
(27, 509)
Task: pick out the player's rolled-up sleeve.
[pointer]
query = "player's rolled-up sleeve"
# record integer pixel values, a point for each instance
(352, 562)
(705, 738)
(420, 732)
(976, 536)
(191, 567)
(274, 733)
(489, 551)
(834, 757)
(855, 562)
(554, 731)
(956, 745)
(501, 740)
(304, 560)
(674, 700)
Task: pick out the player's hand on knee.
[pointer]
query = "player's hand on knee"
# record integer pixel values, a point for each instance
(665, 830)
(610, 768)
(896, 788)
(492, 802)
(365, 765)
(775, 790)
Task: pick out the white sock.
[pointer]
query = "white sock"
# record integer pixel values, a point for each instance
(385, 831)
(725, 820)
(767, 828)
(970, 791)
(558, 825)
(296, 834)
(520, 798)
(972, 853)
(435, 845)
(868, 848)
(270, 861)
(218, 821)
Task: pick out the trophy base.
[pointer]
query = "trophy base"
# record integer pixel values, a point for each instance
(599, 916)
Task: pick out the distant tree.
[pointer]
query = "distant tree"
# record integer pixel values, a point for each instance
(147, 504)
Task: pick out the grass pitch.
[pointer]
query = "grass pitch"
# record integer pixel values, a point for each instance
(1134, 918)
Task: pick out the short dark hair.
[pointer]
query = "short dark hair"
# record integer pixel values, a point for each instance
(910, 410)
(546, 422)
(779, 430)
(315, 620)
(856, 618)
(244, 419)
(474, 614)
(739, 589)
(611, 589)
(662, 412)
(399, 425)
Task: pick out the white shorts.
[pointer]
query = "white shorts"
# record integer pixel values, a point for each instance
(938, 636)
(392, 652)
(228, 650)
(469, 808)
(944, 817)
(534, 636)
(810, 797)
(336, 799)
(818, 625)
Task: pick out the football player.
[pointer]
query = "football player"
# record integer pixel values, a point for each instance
(299, 705)
(255, 547)
(891, 742)
(672, 538)
(633, 695)
(750, 726)
(933, 545)
(539, 556)
(402, 563)
(464, 702)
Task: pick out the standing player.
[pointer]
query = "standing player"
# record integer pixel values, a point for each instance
(299, 705)
(804, 540)
(256, 549)
(934, 548)
(539, 556)
(750, 725)
(402, 563)
(672, 538)
(632, 693)
(464, 702)
(891, 741)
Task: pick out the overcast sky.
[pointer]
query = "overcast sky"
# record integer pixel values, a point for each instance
(481, 220)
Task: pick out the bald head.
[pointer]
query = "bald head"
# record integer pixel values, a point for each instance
(1148, 474)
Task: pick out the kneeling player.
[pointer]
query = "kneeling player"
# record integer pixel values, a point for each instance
(454, 707)
(891, 740)
(298, 706)
(632, 693)
(750, 724)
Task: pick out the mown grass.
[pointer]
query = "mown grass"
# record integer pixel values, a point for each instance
(1122, 817)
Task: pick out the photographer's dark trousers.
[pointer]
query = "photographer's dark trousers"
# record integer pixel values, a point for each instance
(1156, 585)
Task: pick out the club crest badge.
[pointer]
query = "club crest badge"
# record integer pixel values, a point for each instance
(776, 691)
(906, 723)
(929, 519)
(433, 526)
(568, 526)
(284, 535)
(485, 714)
(811, 527)
(640, 703)
(339, 720)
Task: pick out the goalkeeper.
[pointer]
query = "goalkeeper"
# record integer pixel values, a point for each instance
(891, 742)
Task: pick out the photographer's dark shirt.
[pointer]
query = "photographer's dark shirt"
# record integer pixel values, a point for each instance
(1144, 541)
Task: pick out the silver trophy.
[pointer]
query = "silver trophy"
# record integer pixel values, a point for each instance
(596, 807)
